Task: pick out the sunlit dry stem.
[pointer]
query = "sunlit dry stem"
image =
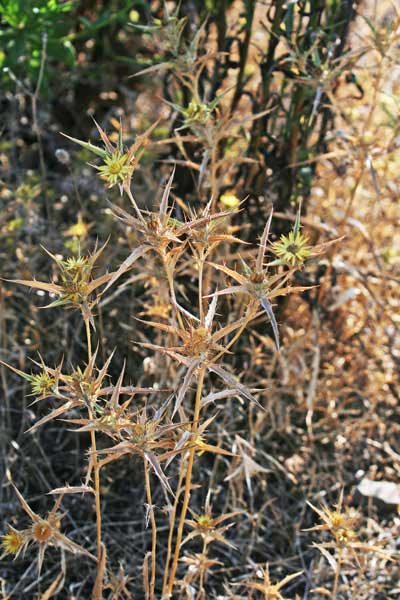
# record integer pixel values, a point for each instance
(337, 576)
(153, 529)
(97, 488)
(201, 593)
(188, 482)
(171, 530)
(88, 339)
(96, 469)
(200, 264)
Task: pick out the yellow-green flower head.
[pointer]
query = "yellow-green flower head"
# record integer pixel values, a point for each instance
(205, 522)
(73, 263)
(292, 249)
(13, 541)
(118, 163)
(116, 168)
(42, 384)
(197, 112)
(229, 200)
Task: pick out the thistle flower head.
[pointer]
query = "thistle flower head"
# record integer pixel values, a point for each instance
(230, 200)
(43, 532)
(209, 528)
(80, 229)
(341, 523)
(118, 163)
(292, 249)
(197, 112)
(76, 283)
(205, 522)
(115, 169)
(43, 383)
(13, 541)
(168, 29)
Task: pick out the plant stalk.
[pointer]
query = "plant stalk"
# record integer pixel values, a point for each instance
(96, 469)
(188, 482)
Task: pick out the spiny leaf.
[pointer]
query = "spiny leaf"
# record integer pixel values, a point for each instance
(88, 146)
(268, 309)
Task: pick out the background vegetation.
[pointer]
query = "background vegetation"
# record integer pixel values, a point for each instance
(241, 107)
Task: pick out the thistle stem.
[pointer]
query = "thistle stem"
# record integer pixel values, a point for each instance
(153, 530)
(201, 300)
(188, 482)
(96, 469)
(171, 529)
(201, 593)
(337, 575)
(88, 339)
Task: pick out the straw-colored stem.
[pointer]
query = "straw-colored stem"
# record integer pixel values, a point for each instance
(88, 339)
(337, 575)
(171, 528)
(153, 530)
(214, 175)
(96, 489)
(188, 482)
(201, 299)
(201, 593)
(95, 463)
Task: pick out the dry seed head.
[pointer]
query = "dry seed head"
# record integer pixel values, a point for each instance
(257, 277)
(198, 341)
(42, 532)
(141, 432)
